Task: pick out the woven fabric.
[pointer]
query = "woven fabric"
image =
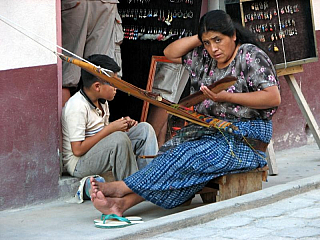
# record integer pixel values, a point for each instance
(176, 175)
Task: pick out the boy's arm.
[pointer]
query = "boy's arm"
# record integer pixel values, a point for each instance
(79, 148)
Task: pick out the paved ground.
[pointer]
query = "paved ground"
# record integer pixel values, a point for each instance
(297, 217)
(287, 208)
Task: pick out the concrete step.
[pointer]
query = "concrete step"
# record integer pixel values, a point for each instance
(68, 186)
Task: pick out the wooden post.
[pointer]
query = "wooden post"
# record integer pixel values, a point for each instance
(271, 159)
(304, 107)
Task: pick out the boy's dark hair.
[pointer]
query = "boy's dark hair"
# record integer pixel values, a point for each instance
(104, 61)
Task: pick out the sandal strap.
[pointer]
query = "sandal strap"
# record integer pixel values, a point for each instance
(105, 217)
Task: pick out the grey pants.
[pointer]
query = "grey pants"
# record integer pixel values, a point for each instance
(119, 152)
(89, 27)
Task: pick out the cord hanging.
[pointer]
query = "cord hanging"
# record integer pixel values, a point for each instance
(283, 48)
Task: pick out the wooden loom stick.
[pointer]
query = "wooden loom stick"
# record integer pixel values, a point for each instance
(216, 87)
(150, 97)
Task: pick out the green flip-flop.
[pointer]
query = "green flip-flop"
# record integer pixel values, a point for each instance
(114, 221)
(132, 219)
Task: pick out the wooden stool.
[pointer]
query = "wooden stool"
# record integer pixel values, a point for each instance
(233, 185)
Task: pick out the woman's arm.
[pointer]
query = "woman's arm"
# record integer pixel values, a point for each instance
(263, 99)
(181, 47)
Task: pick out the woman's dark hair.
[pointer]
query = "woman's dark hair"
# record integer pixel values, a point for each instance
(220, 21)
(104, 61)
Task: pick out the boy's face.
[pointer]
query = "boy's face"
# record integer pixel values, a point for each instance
(107, 91)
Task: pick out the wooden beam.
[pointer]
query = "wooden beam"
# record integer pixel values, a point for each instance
(290, 70)
(271, 159)
(304, 107)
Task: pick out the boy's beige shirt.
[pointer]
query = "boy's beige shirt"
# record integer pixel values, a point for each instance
(79, 120)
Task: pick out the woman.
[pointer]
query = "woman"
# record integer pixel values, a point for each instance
(221, 48)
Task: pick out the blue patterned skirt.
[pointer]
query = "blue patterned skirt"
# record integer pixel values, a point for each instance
(176, 175)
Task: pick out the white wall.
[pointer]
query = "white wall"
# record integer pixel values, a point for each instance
(316, 13)
(17, 50)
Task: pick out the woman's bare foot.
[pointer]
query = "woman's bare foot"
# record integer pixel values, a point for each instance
(107, 205)
(103, 187)
(116, 189)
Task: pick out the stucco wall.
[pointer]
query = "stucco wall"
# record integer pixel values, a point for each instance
(29, 162)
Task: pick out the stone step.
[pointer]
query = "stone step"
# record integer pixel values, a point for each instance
(69, 185)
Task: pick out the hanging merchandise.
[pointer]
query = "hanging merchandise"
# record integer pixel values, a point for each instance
(158, 20)
(149, 26)
(284, 28)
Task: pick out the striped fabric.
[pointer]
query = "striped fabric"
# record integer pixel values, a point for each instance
(176, 175)
(93, 132)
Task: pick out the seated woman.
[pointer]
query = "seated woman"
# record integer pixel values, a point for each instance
(221, 48)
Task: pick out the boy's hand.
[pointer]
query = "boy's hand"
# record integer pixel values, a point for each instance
(119, 125)
(131, 123)
(123, 124)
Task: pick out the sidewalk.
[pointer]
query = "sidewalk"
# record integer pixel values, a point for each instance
(297, 217)
(287, 200)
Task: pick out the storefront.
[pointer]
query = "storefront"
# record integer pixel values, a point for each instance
(30, 78)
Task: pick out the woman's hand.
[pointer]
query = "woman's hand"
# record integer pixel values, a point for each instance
(263, 99)
(216, 97)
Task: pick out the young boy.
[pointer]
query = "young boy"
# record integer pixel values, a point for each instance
(92, 145)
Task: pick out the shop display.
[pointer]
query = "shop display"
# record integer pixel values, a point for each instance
(149, 26)
(157, 20)
(284, 28)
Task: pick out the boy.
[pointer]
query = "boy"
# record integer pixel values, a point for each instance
(92, 145)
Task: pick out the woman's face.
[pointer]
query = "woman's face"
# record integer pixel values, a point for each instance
(220, 47)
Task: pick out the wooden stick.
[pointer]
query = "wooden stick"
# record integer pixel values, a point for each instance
(216, 87)
(126, 87)
(147, 156)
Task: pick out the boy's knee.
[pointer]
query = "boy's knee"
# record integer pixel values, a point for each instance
(144, 126)
(120, 138)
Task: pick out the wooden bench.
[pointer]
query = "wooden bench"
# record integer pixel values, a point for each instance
(233, 185)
